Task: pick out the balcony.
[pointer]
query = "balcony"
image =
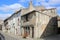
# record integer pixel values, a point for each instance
(30, 22)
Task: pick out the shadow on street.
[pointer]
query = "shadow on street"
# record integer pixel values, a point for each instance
(2, 37)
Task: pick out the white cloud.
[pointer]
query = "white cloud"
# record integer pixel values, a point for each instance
(9, 8)
(4, 16)
(12, 7)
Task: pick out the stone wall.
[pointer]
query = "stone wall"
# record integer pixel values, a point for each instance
(45, 25)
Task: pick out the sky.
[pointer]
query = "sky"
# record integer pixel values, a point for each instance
(8, 7)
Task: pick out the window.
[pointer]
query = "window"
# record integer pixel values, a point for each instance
(18, 21)
(23, 18)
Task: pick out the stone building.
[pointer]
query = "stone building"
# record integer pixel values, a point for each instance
(58, 20)
(33, 22)
(12, 23)
(1, 24)
(37, 22)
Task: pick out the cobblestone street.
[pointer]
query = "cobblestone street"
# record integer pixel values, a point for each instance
(4, 36)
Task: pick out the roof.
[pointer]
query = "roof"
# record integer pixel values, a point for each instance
(29, 9)
(12, 15)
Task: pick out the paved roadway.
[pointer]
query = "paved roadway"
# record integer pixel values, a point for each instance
(4, 36)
